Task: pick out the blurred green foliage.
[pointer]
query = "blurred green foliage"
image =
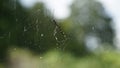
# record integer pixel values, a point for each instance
(58, 59)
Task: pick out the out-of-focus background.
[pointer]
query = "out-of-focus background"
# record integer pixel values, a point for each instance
(59, 34)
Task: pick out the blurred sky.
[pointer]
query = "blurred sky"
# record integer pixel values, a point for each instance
(59, 8)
